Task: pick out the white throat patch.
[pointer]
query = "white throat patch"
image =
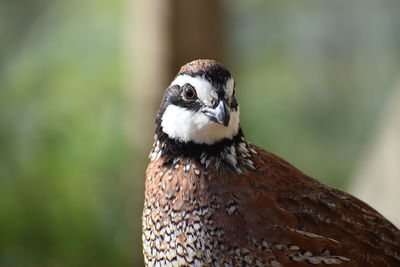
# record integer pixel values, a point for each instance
(186, 125)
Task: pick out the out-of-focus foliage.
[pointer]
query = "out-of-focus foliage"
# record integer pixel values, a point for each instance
(63, 154)
(312, 78)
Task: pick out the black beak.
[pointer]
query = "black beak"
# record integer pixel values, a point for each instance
(220, 114)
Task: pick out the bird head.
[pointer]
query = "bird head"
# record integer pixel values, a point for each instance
(200, 105)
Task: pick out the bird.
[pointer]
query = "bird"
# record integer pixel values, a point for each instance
(212, 198)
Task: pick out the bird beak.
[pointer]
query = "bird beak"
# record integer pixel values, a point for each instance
(220, 114)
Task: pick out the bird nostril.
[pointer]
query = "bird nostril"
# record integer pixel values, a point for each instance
(214, 103)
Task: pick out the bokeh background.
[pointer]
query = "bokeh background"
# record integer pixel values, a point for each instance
(80, 81)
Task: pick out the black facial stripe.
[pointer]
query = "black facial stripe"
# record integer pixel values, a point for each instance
(173, 95)
(190, 104)
(193, 105)
(234, 104)
(221, 93)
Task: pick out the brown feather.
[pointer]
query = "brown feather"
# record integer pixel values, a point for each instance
(273, 214)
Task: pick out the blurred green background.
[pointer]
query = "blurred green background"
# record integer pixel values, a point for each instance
(313, 78)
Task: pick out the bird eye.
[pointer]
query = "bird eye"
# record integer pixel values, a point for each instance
(189, 92)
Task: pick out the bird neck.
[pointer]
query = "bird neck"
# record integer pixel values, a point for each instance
(172, 150)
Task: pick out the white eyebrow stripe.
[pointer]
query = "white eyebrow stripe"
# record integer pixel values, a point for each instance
(204, 89)
(230, 84)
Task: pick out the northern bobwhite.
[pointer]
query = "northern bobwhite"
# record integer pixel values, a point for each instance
(214, 199)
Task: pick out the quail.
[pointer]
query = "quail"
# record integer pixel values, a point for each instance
(214, 199)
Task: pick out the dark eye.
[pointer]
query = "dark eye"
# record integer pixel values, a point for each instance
(189, 92)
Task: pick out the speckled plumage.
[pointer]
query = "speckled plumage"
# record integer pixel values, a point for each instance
(235, 204)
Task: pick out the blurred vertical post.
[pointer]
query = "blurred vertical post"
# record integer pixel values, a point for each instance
(161, 36)
(196, 31)
(147, 51)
